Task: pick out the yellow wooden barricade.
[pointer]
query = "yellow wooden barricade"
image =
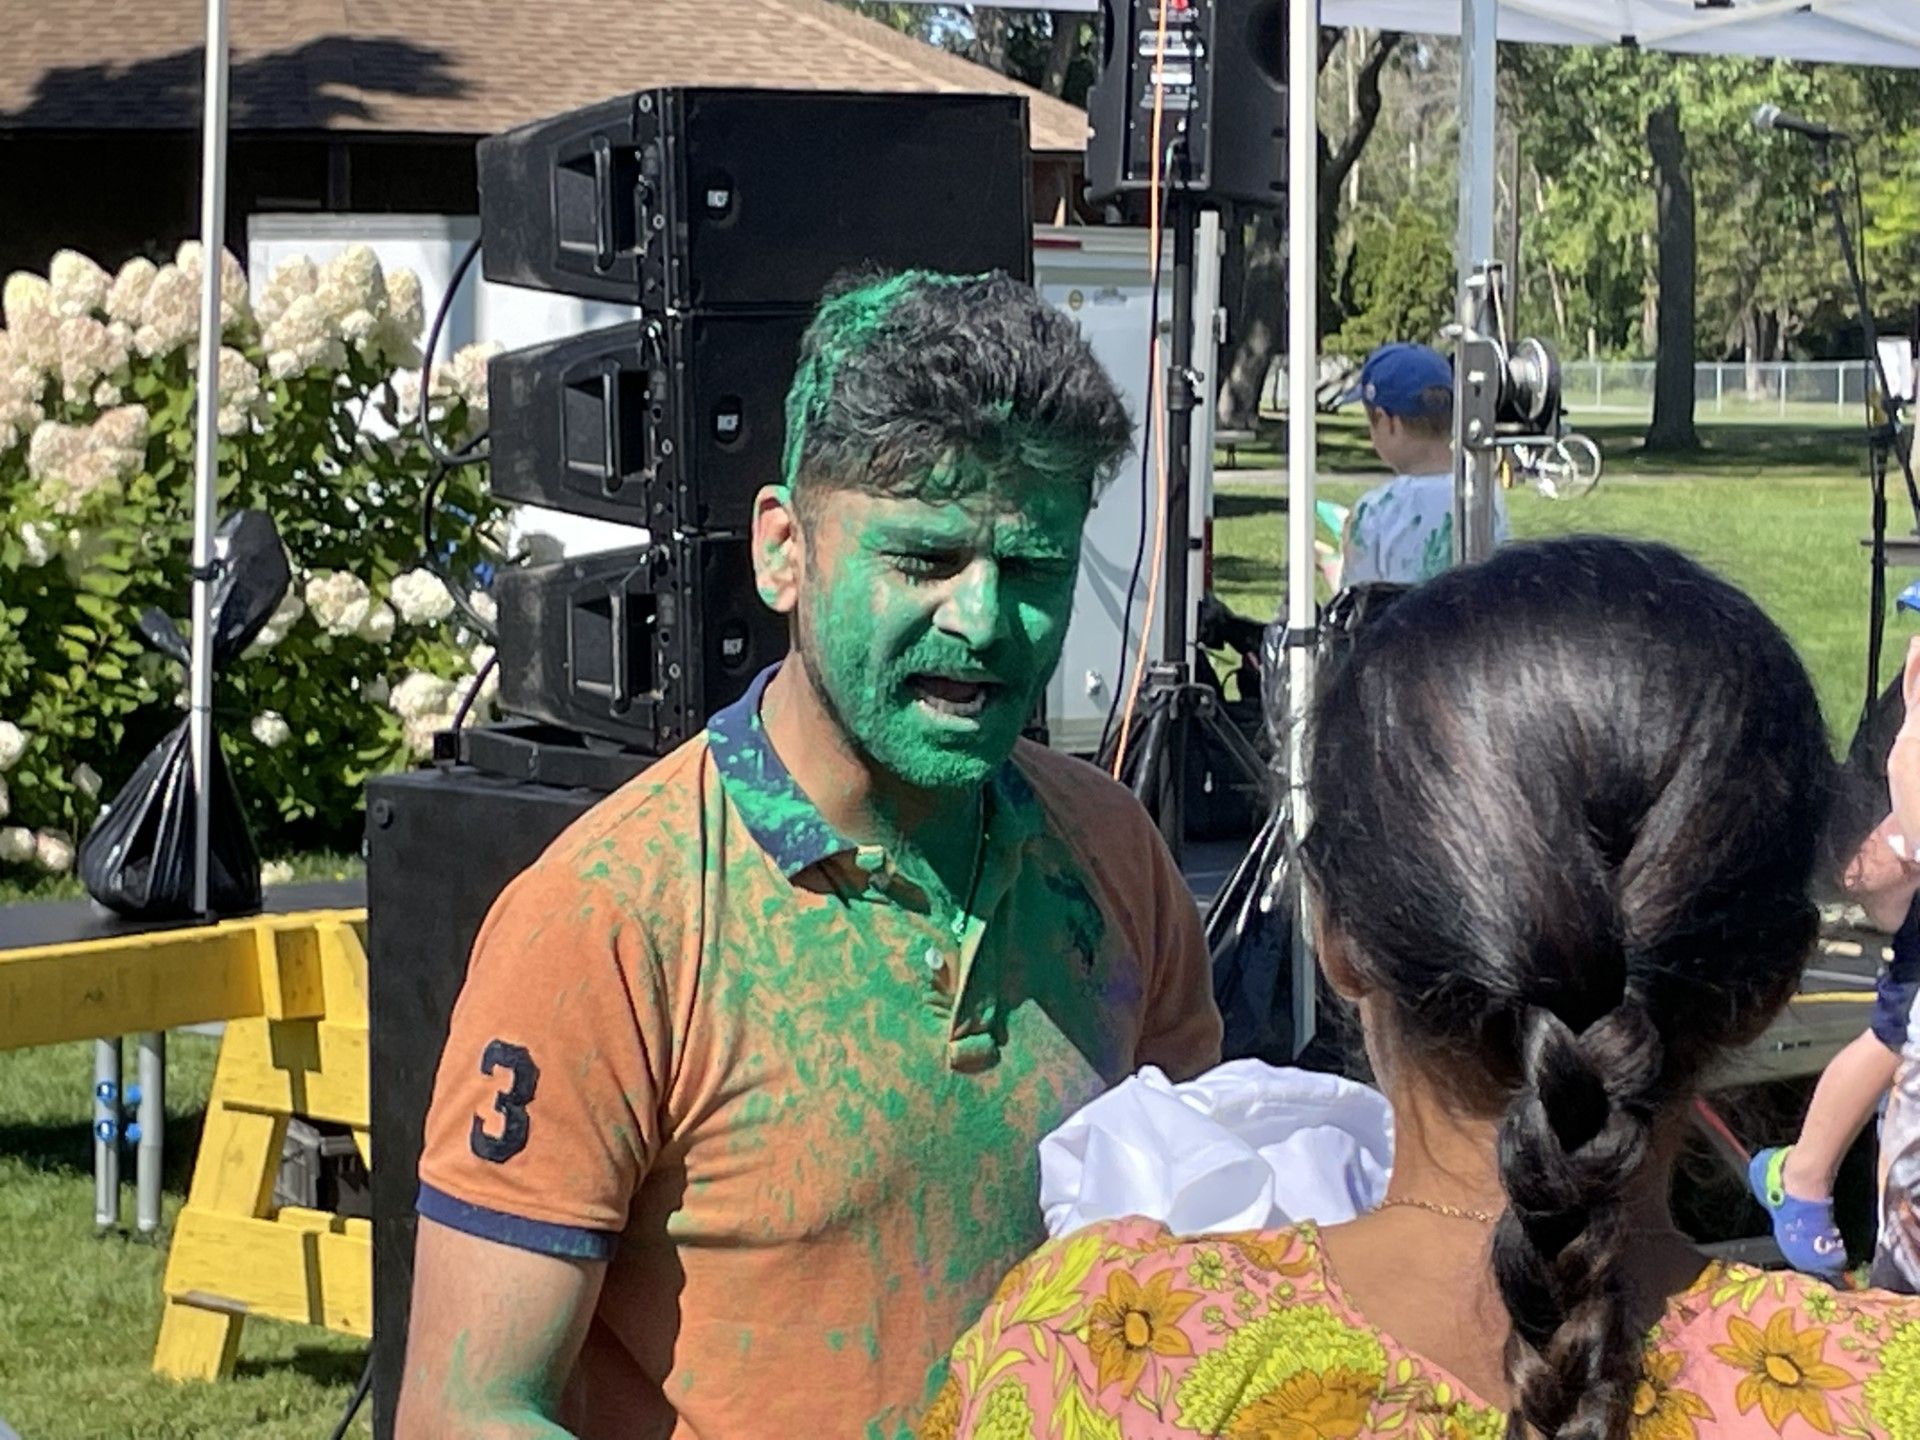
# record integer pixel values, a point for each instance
(293, 991)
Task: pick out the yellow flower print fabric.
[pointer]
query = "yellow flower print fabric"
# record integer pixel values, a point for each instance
(1126, 1332)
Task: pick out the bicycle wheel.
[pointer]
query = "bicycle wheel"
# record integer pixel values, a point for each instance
(1582, 464)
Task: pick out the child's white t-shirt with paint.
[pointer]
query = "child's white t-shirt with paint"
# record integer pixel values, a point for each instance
(1402, 532)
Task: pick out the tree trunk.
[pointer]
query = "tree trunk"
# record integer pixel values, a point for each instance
(1258, 325)
(1672, 427)
(1066, 40)
(1750, 343)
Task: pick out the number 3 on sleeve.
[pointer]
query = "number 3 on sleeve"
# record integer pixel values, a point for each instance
(511, 1102)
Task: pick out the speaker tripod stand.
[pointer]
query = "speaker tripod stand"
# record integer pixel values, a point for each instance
(1174, 710)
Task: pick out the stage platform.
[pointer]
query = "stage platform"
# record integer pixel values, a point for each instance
(74, 922)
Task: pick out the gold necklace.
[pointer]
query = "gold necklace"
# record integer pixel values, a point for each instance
(1436, 1207)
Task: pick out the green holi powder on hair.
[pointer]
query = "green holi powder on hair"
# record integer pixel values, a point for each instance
(843, 325)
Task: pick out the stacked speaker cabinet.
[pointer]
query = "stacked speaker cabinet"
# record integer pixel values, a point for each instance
(721, 216)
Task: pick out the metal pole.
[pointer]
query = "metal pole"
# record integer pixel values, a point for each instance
(213, 229)
(1303, 371)
(1175, 640)
(150, 1137)
(1479, 75)
(106, 1134)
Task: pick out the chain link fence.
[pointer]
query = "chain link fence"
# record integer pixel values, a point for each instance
(1806, 391)
(1817, 392)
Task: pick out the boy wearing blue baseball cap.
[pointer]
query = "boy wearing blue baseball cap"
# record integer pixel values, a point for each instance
(1402, 531)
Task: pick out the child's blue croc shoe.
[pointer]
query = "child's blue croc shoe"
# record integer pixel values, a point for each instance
(1803, 1229)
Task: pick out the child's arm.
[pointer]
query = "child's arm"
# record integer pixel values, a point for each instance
(1885, 875)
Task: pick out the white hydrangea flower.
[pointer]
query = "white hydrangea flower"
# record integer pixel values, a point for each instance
(24, 293)
(376, 691)
(53, 850)
(20, 408)
(16, 845)
(469, 367)
(124, 428)
(127, 297)
(86, 780)
(270, 728)
(293, 277)
(340, 601)
(235, 310)
(379, 624)
(34, 346)
(420, 597)
(61, 463)
(78, 286)
(420, 695)
(484, 606)
(358, 328)
(107, 394)
(351, 281)
(420, 732)
(241, 400)
(304, 338)
(398, 338)
(13, 744)
(89, 353)
(169, 313)
(40, 541)
(277, 872)
(285, 616)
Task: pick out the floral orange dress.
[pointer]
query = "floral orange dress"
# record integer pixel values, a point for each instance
(1126, 1332)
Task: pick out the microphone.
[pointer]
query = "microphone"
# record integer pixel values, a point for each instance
(1772, 117)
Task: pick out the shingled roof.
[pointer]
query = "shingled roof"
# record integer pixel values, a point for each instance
(454, 66)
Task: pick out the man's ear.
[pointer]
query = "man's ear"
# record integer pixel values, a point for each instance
(777, 548)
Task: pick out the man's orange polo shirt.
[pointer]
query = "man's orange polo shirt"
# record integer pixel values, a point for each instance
(710, 1041)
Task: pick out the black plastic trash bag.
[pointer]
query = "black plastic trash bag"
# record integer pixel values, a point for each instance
(138, 858)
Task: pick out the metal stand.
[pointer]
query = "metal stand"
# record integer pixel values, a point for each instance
(1171, 702)
(1476, 389)
(1884, 435)
(107, 1116)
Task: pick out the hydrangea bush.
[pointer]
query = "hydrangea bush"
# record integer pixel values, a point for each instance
(319, 395)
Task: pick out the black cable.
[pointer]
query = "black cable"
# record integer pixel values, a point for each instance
(355, 1400)
(1121, 687)
(446, 461)
(466, 452)
(479, 679)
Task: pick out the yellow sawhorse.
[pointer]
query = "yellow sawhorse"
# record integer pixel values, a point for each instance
(292, 990)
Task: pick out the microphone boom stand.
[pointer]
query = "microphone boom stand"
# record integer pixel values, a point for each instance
(1884, 430)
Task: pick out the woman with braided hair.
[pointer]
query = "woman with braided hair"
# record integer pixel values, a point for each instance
(1567, 810)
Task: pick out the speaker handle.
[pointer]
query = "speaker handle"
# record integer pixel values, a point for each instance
(610, 427)
(618, 696)
(603, 202)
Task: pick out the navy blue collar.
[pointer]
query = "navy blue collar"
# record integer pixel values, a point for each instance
(789, 826)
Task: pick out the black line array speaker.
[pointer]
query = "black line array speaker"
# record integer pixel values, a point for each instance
(719, 199)
(1223, 65)
(429, 886)
(637, 645)
(722, 215)
(673, 423)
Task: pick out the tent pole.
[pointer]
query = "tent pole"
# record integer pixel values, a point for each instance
(213, 226)
(1479, 66)
(1303, 373)
(213, 221)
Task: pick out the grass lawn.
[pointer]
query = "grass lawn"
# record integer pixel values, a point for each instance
(1778, 510)
(79, 1314)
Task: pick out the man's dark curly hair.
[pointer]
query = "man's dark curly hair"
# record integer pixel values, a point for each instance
(921, 383)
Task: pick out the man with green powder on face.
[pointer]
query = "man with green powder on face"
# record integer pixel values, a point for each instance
(735, 1129)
